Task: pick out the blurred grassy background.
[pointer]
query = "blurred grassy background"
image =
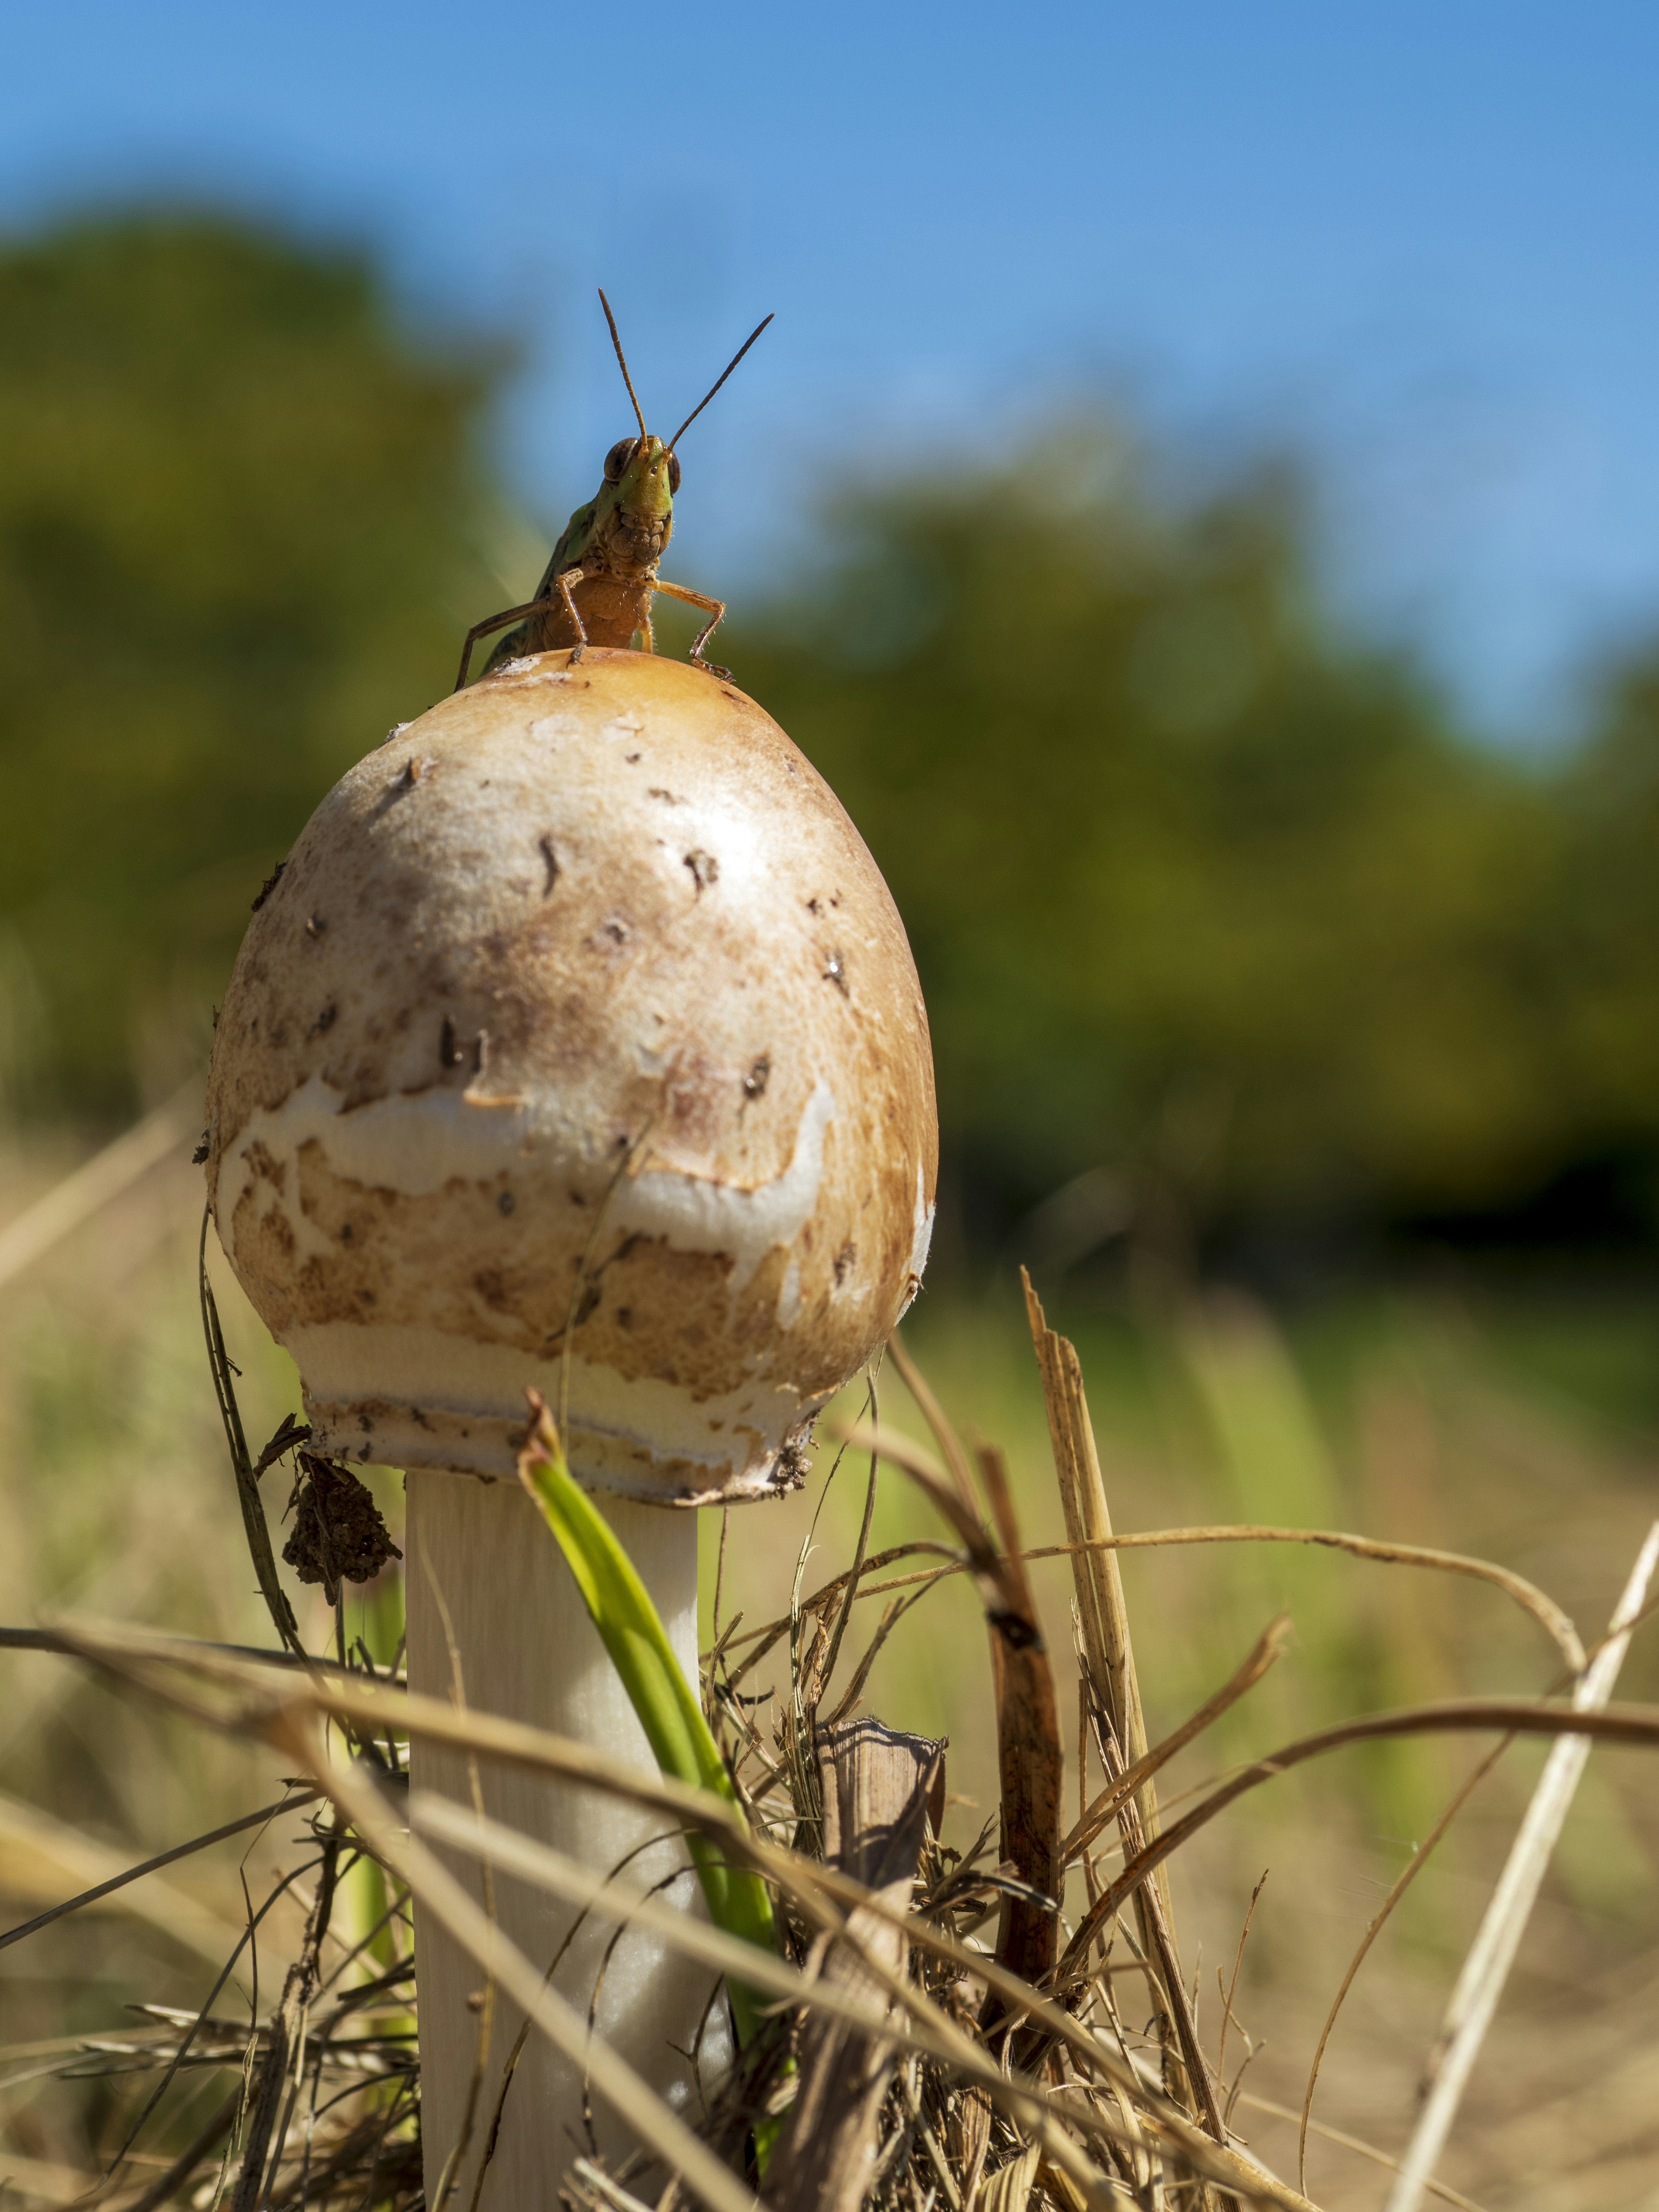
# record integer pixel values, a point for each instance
(1308, 1051)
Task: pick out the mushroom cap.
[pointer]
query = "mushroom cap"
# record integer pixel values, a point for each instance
(578, 1044)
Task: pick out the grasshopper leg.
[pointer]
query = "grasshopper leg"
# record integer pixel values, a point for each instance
(715, 611)
(482, 630)
(573, 576)
(517, 614)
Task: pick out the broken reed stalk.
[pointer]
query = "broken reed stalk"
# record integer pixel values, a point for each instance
(1096, 1576)
(1030, 1756)
(1486, 1969)
(1114, 1690)
(876, 1787)
(1030, 1761)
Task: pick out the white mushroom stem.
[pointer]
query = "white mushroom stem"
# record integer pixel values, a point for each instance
(487, 1588)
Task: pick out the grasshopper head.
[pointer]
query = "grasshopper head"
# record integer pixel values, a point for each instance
(641, 479)
(634, 513)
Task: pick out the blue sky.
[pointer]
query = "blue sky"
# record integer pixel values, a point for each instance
(1417, 240)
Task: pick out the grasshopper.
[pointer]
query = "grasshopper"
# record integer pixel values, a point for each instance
(597, 587)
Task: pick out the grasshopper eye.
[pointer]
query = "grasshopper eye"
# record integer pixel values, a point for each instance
(673, 473)
(618, 458)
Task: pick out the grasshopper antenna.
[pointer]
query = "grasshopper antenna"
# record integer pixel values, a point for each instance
(715, 385)
(622, 362)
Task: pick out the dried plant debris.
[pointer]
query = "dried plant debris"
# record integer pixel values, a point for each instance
(339, 1534)
(999, 2024)
(323, 2104)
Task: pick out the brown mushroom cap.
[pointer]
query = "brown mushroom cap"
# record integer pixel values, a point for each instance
(579, 1006)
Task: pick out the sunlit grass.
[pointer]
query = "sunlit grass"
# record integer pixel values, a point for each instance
(1474, 1422)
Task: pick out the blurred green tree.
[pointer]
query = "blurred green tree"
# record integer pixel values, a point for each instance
(1609, 930)
(1217, 912)
(236, 500)
(1199, 891)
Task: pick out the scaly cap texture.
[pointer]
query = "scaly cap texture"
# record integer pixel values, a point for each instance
(580, 1011)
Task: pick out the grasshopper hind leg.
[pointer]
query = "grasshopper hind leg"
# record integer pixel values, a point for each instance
(528, 634)
(512, 647)
(508, 646)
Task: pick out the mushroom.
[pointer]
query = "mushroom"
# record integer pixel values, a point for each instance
(577, 1046)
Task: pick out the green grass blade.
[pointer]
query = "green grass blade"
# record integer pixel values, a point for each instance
(679, 1737)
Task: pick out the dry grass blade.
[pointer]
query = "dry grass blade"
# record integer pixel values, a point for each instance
(903, 1452)
(50, 1855)
(107, 1889)
(1263, 1653)
(1228, 2015)
(247, 1485)
(32, 1234)
(1359, 2146)
(276, 1705)
(65, 1647)
(1098, 1585)
(437, 1891)
(253, 1698)
(1627, 1725)
(933, 1414)
(147, 1659)
(1542, 1607)
(1408, 1873)
(1474, 1999)
(929, 2031)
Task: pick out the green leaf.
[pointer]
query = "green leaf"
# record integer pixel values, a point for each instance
(679, 1737)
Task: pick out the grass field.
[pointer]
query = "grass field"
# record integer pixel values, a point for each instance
(1520, 1425)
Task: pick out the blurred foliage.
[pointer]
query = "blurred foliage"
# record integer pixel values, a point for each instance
(1198, 889)
(1222, 919)
(234, 501)
(1609, 908)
